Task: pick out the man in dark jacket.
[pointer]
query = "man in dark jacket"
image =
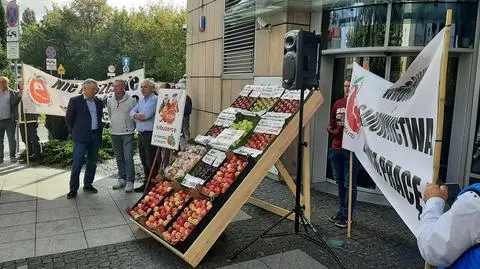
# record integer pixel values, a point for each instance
(31, 120)
(9, 100)
(84, 119)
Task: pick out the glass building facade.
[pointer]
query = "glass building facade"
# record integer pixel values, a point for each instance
(385, 38)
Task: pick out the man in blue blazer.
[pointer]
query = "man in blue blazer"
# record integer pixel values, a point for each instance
(84, 119)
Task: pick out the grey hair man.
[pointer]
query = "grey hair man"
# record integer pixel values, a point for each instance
(144, 115)
(84, 119)
(9, 100)
(122, 127)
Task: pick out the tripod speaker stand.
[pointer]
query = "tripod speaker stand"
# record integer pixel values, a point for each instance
(300, 60)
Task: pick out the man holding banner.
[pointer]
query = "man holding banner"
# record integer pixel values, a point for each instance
(84, 119)
(340, 159)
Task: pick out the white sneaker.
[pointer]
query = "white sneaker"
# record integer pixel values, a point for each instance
(129, 187)
(120, 184)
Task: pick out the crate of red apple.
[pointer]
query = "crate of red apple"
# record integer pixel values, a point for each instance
(288, 105)
(244, 101)
(225, 177)
(265, 132)
(190, 217)
(150, 201)
(163, 214)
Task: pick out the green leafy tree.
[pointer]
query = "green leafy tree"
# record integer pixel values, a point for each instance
(3, 27)
(28, 18)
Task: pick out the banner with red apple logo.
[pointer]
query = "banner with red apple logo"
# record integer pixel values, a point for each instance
(167, 127)
(47, 94)
(391, 127)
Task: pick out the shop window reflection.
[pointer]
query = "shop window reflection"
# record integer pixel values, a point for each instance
(362, 26)
(415, 24)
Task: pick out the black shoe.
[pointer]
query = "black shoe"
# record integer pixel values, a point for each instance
(89, 188)
(334, 218)
(71, 194)
(140, 189)
(341, 223)
(1, 160)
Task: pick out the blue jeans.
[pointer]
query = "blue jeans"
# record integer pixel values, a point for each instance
(123, 149)
(340, 160)
(79, 151)
(8, 126)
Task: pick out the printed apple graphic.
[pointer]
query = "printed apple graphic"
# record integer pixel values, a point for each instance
(37, 90)
(170, 116)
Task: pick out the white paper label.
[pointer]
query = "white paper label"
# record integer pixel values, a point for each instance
(248, 151)
(257, 90)
(272, 92)
(246, 90)
(192, 182)
(204, 140)
(208, 159)
(295, 95)
(269, 126)
(225, 118)
(277, 115)
(226, 138)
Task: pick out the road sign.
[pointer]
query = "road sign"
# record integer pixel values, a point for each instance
(50, 52)
(13, 34)
(61, 70)
(126, 61)
(12, 14)
(110, 74)
(51, 64)
(13, 51)
(111, 68)
(126, 69)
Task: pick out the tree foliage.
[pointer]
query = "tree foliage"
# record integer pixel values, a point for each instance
(89, 35)
(28, 18)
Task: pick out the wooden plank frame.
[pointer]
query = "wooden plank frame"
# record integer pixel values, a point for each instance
(285, 176)
(199, 248)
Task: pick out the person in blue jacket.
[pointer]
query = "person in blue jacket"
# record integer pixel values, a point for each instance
(451, 239)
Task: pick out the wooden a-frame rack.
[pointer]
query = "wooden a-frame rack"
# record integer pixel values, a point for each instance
(199, 248)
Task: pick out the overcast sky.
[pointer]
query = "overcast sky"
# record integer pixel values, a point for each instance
(39, 5)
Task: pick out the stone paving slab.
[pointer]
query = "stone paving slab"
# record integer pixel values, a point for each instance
(380, 239)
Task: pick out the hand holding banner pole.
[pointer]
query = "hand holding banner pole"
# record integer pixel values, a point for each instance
(441, 102)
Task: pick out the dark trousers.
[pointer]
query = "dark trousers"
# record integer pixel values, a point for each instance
(340, 160)
(90, 149)
(33, 146)
(147, 153)
(8, 126)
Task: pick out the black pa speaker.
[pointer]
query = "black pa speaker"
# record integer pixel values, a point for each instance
(300, 56)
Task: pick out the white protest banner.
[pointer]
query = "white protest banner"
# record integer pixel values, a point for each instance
(392, 129)
(167, 127)
(46, 94)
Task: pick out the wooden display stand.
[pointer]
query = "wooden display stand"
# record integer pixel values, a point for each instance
(199, 248)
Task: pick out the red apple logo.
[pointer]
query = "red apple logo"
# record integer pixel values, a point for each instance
(170, 116)
(353, 113)
(37, 90)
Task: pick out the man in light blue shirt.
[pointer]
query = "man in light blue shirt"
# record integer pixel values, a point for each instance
(144, 115)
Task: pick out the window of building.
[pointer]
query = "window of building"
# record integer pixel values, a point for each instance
(239, 37)
(415, 24)
(362, 26)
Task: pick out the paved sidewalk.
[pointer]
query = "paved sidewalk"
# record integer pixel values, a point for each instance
(40, 228)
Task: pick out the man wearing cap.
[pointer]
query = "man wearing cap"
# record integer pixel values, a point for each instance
(84, 119)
